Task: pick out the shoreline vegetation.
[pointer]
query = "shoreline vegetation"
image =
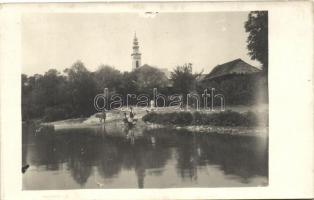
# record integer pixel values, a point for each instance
(227, 118)
(245, 122)
(228, 122)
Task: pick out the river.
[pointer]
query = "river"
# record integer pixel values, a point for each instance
(154, 158)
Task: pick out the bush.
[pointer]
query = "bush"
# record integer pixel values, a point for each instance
(150, 117)
(227, 118)
(251, 119)
(179, 118)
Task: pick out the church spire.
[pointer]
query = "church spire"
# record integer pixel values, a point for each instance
(135, 42)
(136, 55)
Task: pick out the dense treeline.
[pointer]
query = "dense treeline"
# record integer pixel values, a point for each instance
(55, 95)
(58, 96)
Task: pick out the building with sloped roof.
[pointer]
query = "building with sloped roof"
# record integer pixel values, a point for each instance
(237, 66)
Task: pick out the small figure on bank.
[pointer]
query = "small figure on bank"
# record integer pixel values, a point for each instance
(125, 119)
(128, 122)
(132, 114)
(152, 105)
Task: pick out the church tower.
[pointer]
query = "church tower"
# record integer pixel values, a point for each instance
(136, 55)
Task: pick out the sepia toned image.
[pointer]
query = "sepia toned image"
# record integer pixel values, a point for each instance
(144, 100)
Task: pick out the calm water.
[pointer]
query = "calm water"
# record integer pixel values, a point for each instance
(160, 158)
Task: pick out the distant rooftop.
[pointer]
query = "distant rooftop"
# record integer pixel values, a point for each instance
(237, 66)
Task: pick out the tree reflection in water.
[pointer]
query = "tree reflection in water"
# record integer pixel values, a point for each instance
(146, 154)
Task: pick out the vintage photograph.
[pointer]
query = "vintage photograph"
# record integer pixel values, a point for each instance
(144, 100)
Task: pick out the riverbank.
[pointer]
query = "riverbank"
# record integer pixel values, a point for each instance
(229, 122)
(209, 129)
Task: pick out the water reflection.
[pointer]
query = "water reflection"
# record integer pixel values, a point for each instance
(154, 156)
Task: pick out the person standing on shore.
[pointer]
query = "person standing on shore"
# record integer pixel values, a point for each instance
(132, 114)
(152, 106)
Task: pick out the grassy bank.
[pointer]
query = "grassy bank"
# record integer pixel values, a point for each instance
(227, 118)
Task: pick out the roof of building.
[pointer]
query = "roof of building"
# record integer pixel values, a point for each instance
(237, 66)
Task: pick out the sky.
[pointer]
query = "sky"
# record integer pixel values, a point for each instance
(166, 40)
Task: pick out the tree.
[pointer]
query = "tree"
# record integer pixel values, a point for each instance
(148, 78)
(184, 81)
(25, 97)
(49, 87)
(128, 85)
(257, 41)
(82, 88)
(32, 96)
(107, 77)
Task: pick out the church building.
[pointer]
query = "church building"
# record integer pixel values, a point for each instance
(136, 55)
